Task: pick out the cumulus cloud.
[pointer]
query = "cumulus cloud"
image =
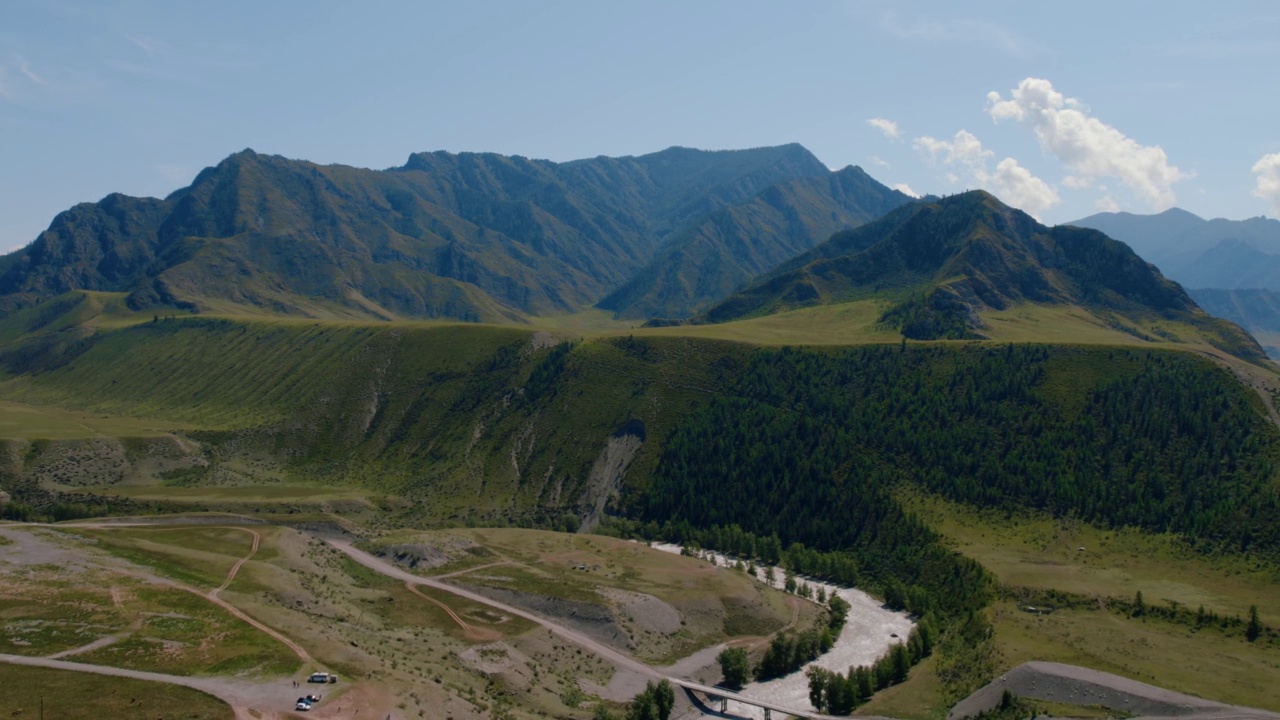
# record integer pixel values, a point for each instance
(1011, 182)
(1076, 182)
(1018, 187)
(964, 148)
(905, 189)
(1267, 175)
(878, 161)
(1106, 203)
(1085, 144)
(888, 127)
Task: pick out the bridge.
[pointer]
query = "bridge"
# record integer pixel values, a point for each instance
(722, 696)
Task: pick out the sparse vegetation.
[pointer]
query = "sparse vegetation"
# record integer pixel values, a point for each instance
(68, 695)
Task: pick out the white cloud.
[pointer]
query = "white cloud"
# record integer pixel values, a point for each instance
(1106, 203)
(1076, 182)
(961, 31)
(1090, 147)
(1011, 182)
(1267, 175)
(964, 148)
(888, 127)
(905, 189)
(879, 162)
(1016, 186)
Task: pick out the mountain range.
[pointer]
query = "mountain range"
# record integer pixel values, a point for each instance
(674, 236)
(1230, 267)
(478, 237)
(1199, 253)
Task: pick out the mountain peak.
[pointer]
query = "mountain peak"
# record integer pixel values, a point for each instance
(1179, 213)
(942, 264)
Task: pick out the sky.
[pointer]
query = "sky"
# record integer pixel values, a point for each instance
(1062, 109)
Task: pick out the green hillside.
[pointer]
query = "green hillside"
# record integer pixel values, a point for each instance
(508, 422)
(787, 454)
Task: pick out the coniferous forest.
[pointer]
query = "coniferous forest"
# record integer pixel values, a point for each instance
(800, 460)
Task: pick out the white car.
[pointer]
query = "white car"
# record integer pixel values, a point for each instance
(302, 705)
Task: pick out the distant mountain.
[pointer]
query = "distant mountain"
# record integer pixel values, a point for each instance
(468, 236)
(1197, 252)
(941, 264)
(1255, 310)
(709, 260)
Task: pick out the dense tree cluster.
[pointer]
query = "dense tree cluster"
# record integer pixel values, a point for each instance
(1164, 442)
(798, 461)
(653, 703)
(837, 694)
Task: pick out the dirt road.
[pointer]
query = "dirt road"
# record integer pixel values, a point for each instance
(1074, 685)
(472, 633)
(581, 640)
(238, 693)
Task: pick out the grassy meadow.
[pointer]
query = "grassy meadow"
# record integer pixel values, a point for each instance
(69, 695)
(1033, 554)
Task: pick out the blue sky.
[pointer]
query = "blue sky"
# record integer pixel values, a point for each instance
(1060, 108)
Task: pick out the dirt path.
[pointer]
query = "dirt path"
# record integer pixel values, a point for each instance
(95, 645)
(1074, 685)
(241, 695)
(379, 565)
(213, 595)
(231, 574)
(472, 633)
(456, 573)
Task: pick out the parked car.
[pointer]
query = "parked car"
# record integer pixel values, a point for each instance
(303, 704)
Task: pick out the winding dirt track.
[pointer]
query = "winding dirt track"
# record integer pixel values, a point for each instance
(213, 597)
(239, 695)
(231, 574)
(470, 631)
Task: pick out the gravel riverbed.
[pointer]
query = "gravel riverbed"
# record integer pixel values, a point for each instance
(868, 633)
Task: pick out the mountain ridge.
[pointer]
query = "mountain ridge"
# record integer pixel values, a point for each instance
(798, 214)
(944, 263)
(1199, 253)
(471, 236)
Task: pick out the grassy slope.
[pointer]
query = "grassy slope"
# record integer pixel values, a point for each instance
(1038, 552)
(394, 407)
(71, 695)
(298, 376)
